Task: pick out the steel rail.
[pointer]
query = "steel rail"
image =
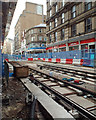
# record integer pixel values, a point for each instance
(67, 83)
(80, 109)
(62, 69)
(71, 68)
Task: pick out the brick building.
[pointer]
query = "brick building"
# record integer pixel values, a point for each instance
(71, 26)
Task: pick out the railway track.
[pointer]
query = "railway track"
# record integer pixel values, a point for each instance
(64, 93)
(85, 76)
(64, 97)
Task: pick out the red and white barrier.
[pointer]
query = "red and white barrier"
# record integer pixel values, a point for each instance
(63, 61)
(58, 60)
(7, 60)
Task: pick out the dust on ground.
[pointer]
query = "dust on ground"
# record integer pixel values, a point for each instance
(13, 99)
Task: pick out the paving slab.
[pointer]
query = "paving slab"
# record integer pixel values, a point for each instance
(42, 79)
(81, 101)
(36, 75)
(63, 90)
(49, 83)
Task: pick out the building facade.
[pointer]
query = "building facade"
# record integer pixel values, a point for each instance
(71, 26)
(36, 39)
(6, 14)
(31, 16)
(8, 46)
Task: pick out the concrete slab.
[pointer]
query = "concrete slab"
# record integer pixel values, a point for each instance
(81, 101)
(53, 108)
(49, 83)
(36, 76)
(42, 79)
(93, 111)
(62, 90)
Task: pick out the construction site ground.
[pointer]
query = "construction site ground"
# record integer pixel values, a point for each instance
(13, 100)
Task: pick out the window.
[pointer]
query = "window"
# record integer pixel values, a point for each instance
(50, 2)
(10, 5)
(88, 25)
(44, 38)
(50, 38)
(55, 25)
(56, 8)
(40, 38)
(62, 49)
(73, 30)
(74, 48)
(88, 6)
(63, 3)
(50, 26)
(39, 9)
(55, 36)
(73, 12)
(32, 39)
(62, 34)
(32, 31)
(10, 14)
(50, 13)
(7, 25)
(62, 20)
(84, 46)
(40, 30)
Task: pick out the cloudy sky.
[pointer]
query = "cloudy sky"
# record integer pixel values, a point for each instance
(19, 8)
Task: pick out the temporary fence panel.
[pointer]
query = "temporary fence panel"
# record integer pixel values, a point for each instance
(0, 64)
(84, 57)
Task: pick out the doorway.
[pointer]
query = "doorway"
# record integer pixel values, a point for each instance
(91, 46)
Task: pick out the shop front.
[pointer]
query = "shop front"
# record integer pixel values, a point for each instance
(88, 44)
(62, 48)
(73, 46)
(78, 45)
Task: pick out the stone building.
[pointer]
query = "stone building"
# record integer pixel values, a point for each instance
(36, 39)
(8, 46)
(6, 14)
(31, 16)
(71, 26)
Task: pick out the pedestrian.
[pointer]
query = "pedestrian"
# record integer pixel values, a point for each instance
(6, 72)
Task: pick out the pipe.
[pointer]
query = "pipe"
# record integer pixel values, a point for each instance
(33, 105)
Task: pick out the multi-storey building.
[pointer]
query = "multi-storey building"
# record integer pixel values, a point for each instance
(31, 16)
(71, 26)
(8, 46)
(6, 15)
(36, 39)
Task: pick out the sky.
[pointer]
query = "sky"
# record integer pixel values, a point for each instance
(19, 8)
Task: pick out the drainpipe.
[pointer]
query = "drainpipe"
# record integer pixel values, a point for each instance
(42, 15)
